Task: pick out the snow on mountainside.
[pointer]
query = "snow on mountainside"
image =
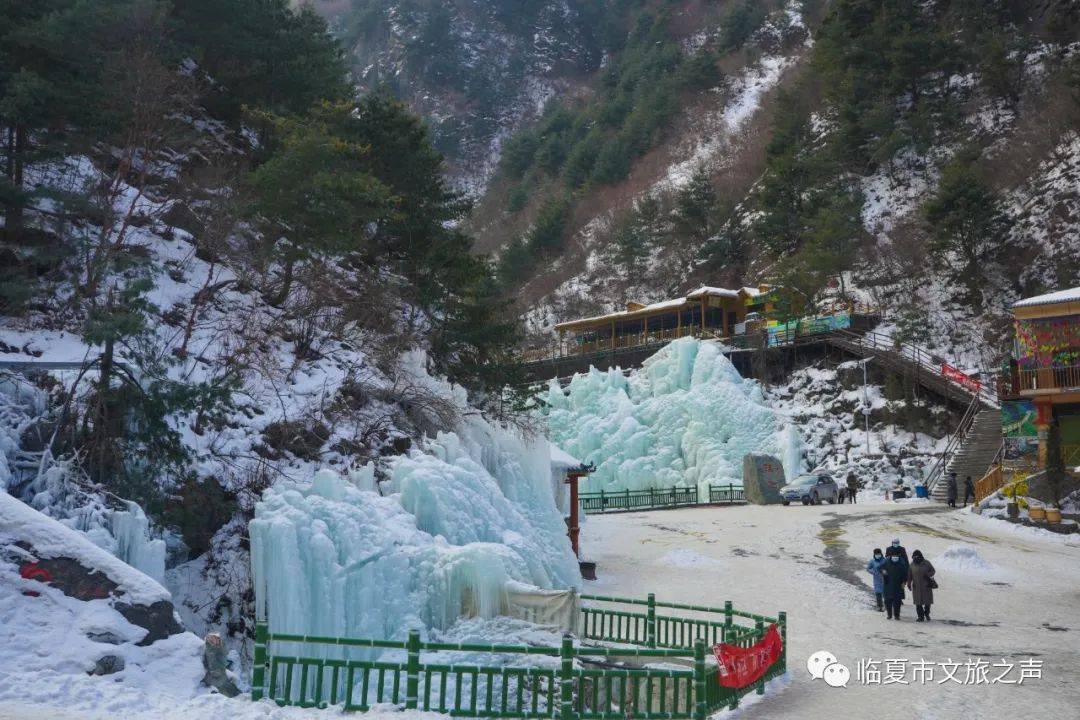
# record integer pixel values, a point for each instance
(1027, 151)
(827, 405)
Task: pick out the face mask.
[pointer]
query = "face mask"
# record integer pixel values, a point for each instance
(877, 557)
(895, 559)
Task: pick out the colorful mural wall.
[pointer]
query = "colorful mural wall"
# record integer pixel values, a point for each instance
(1019, 431)
(1050, 342)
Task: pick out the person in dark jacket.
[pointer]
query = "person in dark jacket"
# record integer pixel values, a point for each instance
(874, 568)
(896, 547)
(894, 574)
(852, 487)
(969, 490)
(950, 487)
(920, 583)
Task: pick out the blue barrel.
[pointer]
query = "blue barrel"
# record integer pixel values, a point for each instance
(920, 491)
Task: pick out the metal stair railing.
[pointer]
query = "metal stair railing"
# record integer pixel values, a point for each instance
(956, 441)
(921, 361)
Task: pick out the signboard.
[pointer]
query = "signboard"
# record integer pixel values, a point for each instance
(1018, 419)
(739, 667)
(960, 378)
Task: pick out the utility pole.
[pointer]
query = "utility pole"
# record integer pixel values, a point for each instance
(866, 403)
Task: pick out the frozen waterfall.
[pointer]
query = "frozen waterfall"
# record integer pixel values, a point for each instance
(459, 518)
(685, 418)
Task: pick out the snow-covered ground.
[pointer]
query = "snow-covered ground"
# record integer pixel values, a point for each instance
(1003, 594)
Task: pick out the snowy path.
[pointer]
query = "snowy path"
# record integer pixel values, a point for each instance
(1021, 603)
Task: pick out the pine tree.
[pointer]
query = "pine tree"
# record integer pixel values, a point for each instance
(965, 223)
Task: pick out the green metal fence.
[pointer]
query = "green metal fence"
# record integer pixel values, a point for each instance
(625, 500)
(566, 682)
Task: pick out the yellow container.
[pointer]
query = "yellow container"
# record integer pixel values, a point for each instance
(1053, 515)
(1038, 513)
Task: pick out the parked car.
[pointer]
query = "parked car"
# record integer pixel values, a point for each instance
(810, 490)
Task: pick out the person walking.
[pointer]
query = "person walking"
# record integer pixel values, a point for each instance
(921, 583)
(969, 490)
(874, 568)
(951, 489)
(894, 575)
(852, 487)
(896, 547)
(840, 494)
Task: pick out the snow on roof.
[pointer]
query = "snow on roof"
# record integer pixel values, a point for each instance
(1061, 296)
(562, 460)
(702, 291)
(49, 539)
(706, 290)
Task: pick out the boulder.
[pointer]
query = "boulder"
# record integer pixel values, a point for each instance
(763, 476)
(107, 665)
(49, 553)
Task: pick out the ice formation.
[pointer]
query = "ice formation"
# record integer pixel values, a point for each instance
(685, 418)
(44, 483)
(463, 515)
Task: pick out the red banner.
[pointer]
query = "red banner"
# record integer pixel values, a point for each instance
(960, 378)
(740, 666)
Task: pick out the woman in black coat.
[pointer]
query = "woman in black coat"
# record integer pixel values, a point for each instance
(895, 574)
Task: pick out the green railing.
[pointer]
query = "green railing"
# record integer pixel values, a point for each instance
(653, 499)
(563, 682)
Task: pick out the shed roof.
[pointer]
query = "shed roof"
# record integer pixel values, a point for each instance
(1061, 296)
(691, 298)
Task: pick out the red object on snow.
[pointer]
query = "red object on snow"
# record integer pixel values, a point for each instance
(33, 571)
(740, 667)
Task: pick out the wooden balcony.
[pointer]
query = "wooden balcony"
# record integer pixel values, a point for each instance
(1048, 380)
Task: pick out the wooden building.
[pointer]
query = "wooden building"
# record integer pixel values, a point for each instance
(707, 311)
(1044, 376)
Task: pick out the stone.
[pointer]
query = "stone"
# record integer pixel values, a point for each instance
(107, 638)
(763, 476)
(159, 619)
(107, 665)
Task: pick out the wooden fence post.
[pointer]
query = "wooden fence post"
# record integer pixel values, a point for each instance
(700, 705)
(650, 622)
(258, 669)
(566, 679)
(412, 670)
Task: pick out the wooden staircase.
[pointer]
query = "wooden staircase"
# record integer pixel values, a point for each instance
(976, 443)
(914, 362)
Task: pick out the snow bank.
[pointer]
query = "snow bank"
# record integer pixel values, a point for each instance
(963, 559)
(685, 418)
(49, 539)
(466, 513)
